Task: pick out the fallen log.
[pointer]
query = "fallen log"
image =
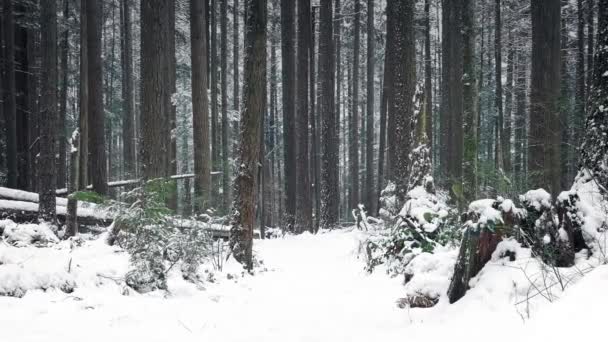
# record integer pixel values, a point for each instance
(21, 212)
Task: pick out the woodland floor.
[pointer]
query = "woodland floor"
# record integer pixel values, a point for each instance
(315, 289)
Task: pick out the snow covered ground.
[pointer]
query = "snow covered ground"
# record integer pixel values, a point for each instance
(314, 288)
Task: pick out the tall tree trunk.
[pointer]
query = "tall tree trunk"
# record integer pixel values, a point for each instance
(590, 44)
(243, 220)
(288, 81)
(428, 76)
(404, 82)
(154, 147)
(200, 111)
(330, 159)
(216, 147)
(545, 126)
(83, 119)
(224, 88)
(63, 99)
(8, 85)
(303, 191)
(571, 126)
(353, 128)
(386, 100)
(507, 156)
(369, 179)
(48, 122)
(33, 91)
(470, 98)
(97, 141)
(235, 71)
(314, 132)
(128, 123)
(498, 71)
(23, 114)
(171, 110)
(451, 139)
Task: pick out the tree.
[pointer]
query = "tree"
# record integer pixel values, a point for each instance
(500, 142)
(243, 217)
(303, 193)
(83, 99)
(369, 175)
(95, 108)
(428, 76)
(224, 103)
(330, 195)
(48, 119)
(451, 118)
(63, 96)
(128, 119)
(353, 125)
(235, 55)
(288, 81)
(470, 99)
(200, 112)
(154, 147)
(545, 126)
(404, 81)
(8, 85)
(595, 147)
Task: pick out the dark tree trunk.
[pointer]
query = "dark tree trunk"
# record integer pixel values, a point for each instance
(385, 105)
(96, 113)
(171, 110)
(330, 159)
(128, 120)
(428, 76)
(235, 55)
(288, 81)
(498, 70)
(590, 43)
(314, 132)
(33, 90)
(241, 234)
(83, 119)
(303, 190)
(224, 102)
(353, 125)
(63, 102)
(216, 147)
(470, 98)
(451, 134)
(48, 118)
(507, 156)
(8, 86)
(544, 138)
(23, 115)
(154, 121)
(369, 179)
(200, 111)
(404, 82)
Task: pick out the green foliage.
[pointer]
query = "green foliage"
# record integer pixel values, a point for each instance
(155, 240)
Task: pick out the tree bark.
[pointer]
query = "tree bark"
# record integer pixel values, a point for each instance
(288, 81)
(243, 220)
(353, 125)
(71, 225)
(498, 71)
(8, 85)
(83, 119)
(154, 147)
(545, 125)
(371, 200)
(200, 112)
(470, 98)
(63, 99)
(128, 120)
(224, 102)
(404, 81)
(96, 113)
(428, 77)
(303, 190)
(48, 119)
(330, 159)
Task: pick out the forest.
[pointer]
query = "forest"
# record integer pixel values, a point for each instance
(440, 154)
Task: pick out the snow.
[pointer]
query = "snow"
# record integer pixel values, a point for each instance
(93, 211)
(308, 288)
(538, 198)
(27, 234)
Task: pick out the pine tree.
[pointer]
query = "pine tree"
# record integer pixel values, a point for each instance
(288, 81)
(243, 220)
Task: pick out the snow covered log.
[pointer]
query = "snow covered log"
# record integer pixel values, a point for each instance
(21, 212)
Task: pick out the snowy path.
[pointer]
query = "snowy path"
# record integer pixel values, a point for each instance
(315, 290)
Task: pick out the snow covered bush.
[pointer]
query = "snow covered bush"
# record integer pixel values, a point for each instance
(156, 240)
(423, 224)
(21, 235)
